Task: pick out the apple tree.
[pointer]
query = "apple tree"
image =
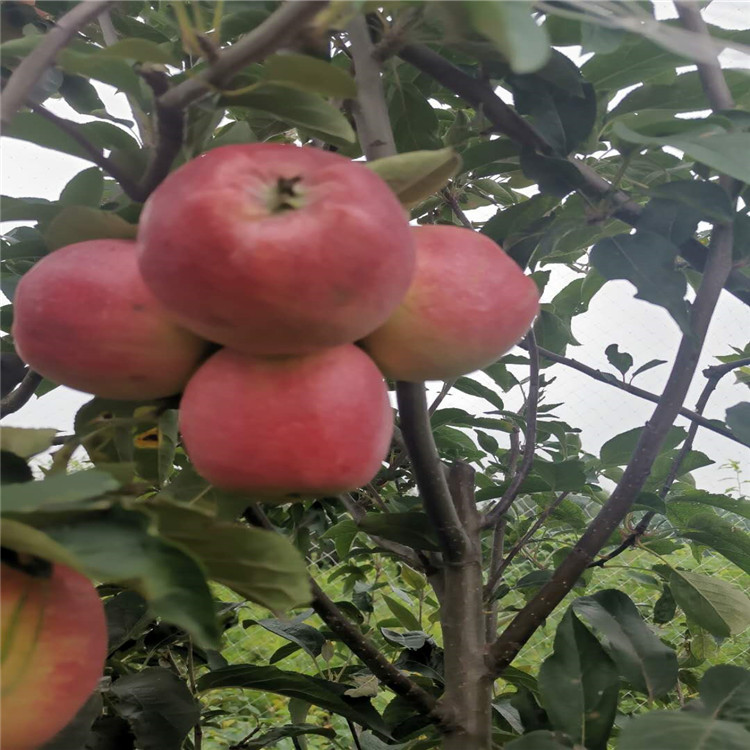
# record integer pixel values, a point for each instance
(595, 142)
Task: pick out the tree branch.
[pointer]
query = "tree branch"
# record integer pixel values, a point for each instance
(714, 279)
(371, 656)
(285, 24)
(20, 394)
(526, 622)
(170, 126)
(607, 379)
(712, 79)
(32, 67)
(505, 120)
(529, 446)
(467, 681)
(429, 470)
(497, 574)
(369, 109)
(713, 374)
(129, 185)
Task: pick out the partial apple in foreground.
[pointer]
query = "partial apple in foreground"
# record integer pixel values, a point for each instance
(276, 249)
(468, 305)
(84, 318)
(316, 424)
(54, 643)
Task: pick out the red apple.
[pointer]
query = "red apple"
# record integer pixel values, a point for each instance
(83, 317)
(315, 424)
(54, 643)
(469, 303)
(275, 249)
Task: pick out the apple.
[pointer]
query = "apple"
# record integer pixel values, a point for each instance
(315, 424)
(54, 644)
(84, 318)
(276, 249)
(469, 303)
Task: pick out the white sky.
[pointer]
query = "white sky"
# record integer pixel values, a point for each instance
(599, 410)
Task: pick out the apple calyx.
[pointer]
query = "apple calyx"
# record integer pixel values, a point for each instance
(286, 195)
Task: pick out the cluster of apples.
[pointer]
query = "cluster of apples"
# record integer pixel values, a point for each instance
(302, 265)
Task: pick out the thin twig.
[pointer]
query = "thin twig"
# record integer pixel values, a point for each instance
(608, 379)
(371, 656)
(20, 394)
(529, 447)
(452, 202)
(496, 558)
(497, 574)
(72, 129)
(444, 391)
(276, 31)
(32, 67)
(355, 736)
(713, 375)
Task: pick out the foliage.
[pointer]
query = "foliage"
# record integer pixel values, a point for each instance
(582, 173)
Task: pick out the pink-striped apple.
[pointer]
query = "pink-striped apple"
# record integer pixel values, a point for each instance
(276, 249)
(313, 424)
(469, 303)
(54, 643)
(84, 318)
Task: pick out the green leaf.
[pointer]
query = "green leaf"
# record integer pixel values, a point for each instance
(618, 451)
(647, 261)
(27, 209)
(415, 123)
(117, 546)
(288, 731)
(26, 441)
(708, 143)
(138, 49)
(514, 32)
(684, 94)
(579, 685)
(101, 67)
(738, 420)
(665, 607)
(81, 95)
(58, 492)
(642, 659)
(158, 706)
(699, 499)
(725, 693)
(324, 693)
(475, 388)
(81, 223)
(85, 189)
(261, 565)
(298, 108)
(712, 603)
(417, 175)
(621, 361)
(402, 614)
(681, 730)
(411, 528)
(717, 533)
(648, 366)
(306, 637)
(541, 739)
(310, 74)
(28, 126)
(708, 200)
